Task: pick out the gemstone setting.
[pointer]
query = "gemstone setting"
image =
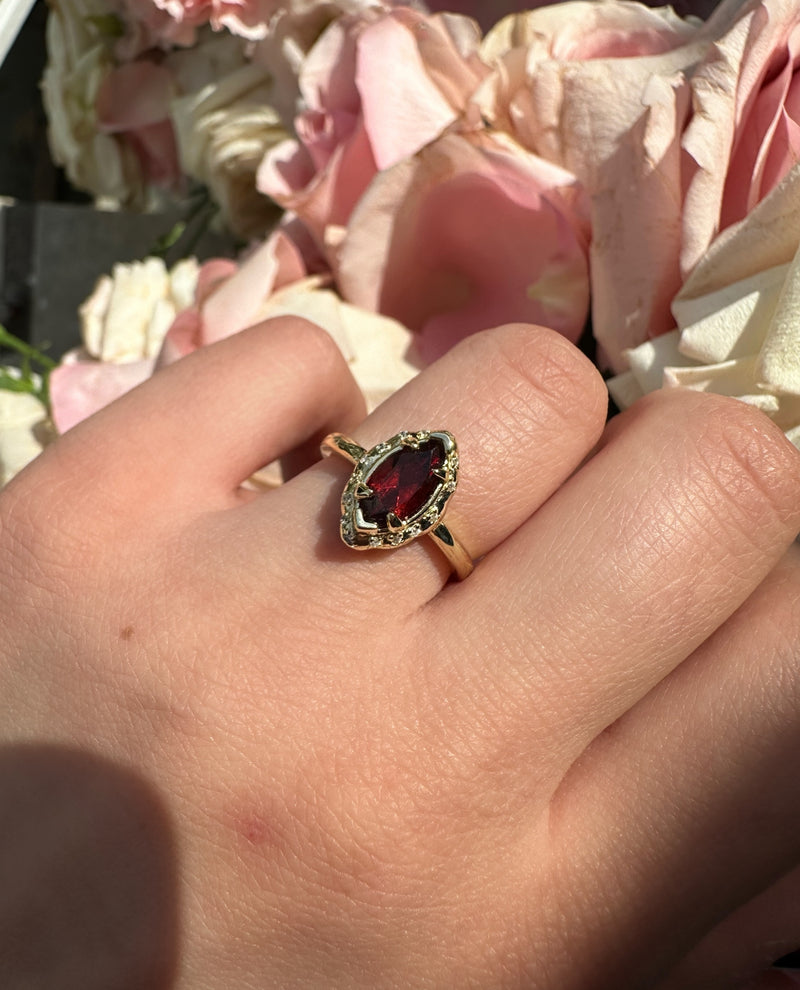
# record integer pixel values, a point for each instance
(399, 489)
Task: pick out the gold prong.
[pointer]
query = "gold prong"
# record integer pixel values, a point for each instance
(363, 491)
(393, 522)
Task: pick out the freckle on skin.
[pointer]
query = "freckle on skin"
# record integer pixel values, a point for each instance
(126, 633)
(255, 829)
(251, 822)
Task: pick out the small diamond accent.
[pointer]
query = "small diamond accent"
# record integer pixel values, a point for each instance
(375, 541)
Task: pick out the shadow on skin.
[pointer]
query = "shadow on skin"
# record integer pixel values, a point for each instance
(88, 880)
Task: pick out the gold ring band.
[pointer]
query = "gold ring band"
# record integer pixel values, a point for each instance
(399, 490)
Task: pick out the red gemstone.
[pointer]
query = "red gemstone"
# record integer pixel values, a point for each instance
(403, 482)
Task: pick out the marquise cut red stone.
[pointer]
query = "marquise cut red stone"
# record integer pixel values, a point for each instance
(403, 483)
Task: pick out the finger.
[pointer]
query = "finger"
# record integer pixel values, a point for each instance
(211, 419)
(626, 570)
(697, 784)
(743, 947)
(525, 407)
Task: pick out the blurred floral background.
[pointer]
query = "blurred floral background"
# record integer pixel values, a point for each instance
(404, 175)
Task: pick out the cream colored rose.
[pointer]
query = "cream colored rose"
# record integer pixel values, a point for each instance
(375, 346)
(123, 324)
(738, 319)
(24, 429)
(224, 130)
(127, 316)
(79, 59)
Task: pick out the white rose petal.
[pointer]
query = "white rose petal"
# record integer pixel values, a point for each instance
(78, 61)
(738, 318)
(376, 347)
(23, 420)
(223, 130)
(183, 282)
(127, 316)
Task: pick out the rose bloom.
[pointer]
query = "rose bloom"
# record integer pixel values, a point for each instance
(271, 281)
(695, 122)
(24, 431)
(79, 59)
(738, 318)
(472, 232)
(223, 132)
(744, 135)
(142, 317)
(123, 325)
(375, 88)
(599, 89)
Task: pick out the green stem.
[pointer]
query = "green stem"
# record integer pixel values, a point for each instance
(29, 352)
(26, 382)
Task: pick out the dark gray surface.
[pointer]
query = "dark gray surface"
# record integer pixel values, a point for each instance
(51, 255)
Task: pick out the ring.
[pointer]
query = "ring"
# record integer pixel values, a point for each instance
(398, 491)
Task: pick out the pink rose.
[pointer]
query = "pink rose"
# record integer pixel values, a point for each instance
(376, 88)
(247, 18)
(744, 136)
(133, 103)
(599, 89)
(229, 296)
(470, 233)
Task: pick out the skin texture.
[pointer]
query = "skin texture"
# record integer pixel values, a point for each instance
(290, 765)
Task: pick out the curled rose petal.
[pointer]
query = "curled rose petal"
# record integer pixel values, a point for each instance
(600, 89)
(80, 387)
(418, 247)
(23, 432)
(376, 88)
(412, 81)
(744, 135)
(133, 102)
(738, 316)
(235, 303)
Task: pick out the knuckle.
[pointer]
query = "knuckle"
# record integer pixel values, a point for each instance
(543, 377)
(742, 454)
(754, 461)
(313, 342)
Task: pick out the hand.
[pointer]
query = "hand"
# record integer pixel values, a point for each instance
(239, 755)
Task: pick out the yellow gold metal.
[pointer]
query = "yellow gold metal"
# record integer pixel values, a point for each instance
(362, 534)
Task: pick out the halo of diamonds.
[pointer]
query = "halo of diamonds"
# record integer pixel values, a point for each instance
(362, 535)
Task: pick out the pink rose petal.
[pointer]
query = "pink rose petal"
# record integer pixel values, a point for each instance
(80, 388)
(419, 248)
